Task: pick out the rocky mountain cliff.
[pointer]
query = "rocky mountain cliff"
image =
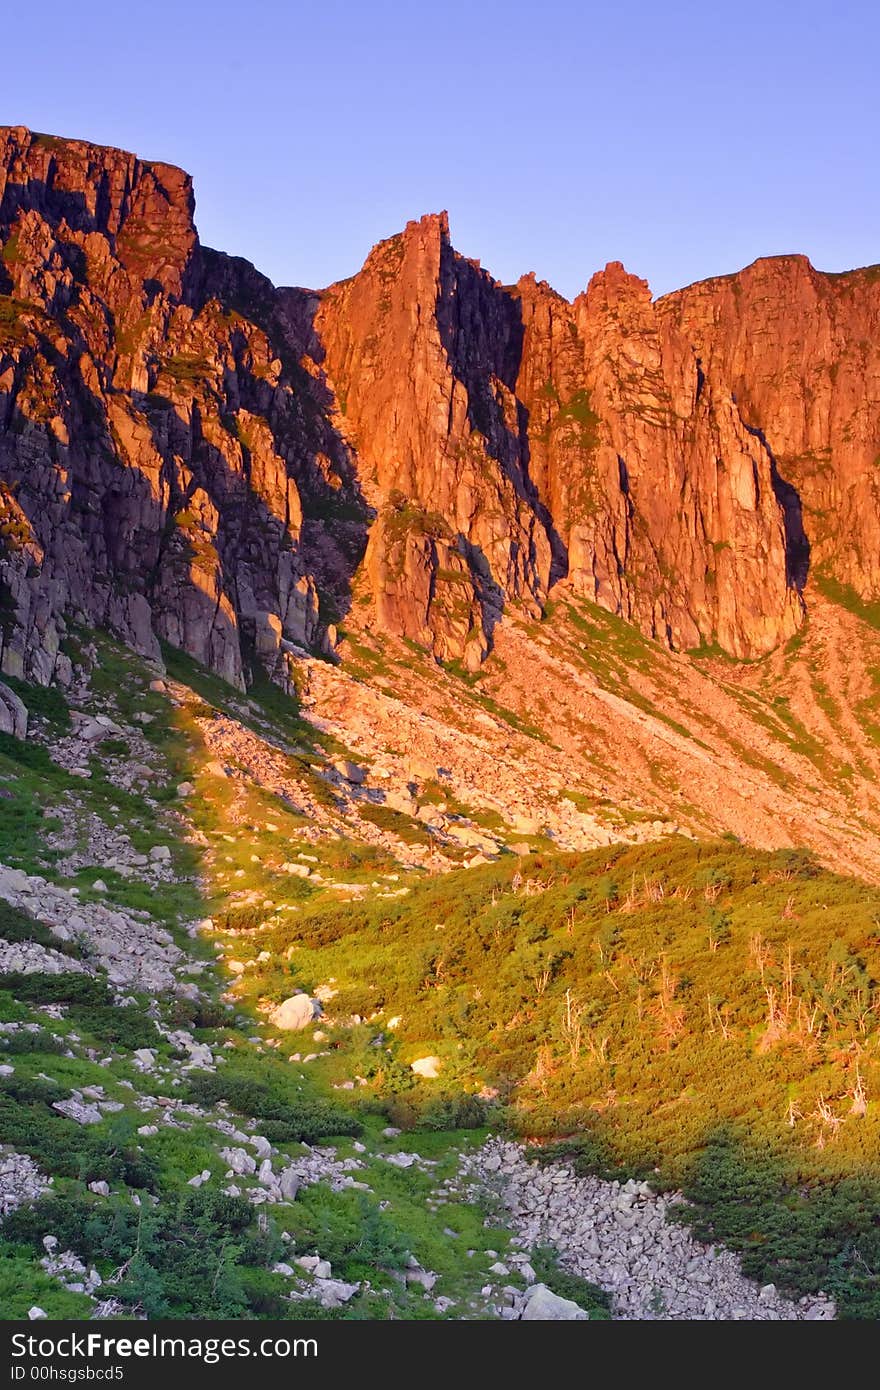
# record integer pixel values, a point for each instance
(159, 449)
(189, 454)
(800, 353)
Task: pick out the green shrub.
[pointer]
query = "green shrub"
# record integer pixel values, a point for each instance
(23, 1041)
(30, 1090)
(90, 1006)
(284, 1119)
(65, 988)
(185, 1259)
(804, 1236)
(346, 1228)
(195, 1013)
(106, 1153)
(443, 1112)
(116, 1026)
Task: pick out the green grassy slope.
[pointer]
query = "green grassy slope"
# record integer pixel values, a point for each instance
(705, 1015)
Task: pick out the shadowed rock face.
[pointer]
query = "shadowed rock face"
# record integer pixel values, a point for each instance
(160, 445)
(189, 454)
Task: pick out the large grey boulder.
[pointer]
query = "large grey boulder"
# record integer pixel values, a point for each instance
(543, 1305)
(332, 1293)
(295, 1013)
(74, 1109)
(13, 714)
(290, 1184)
(239, 1160)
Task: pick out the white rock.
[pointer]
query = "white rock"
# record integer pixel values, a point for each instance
(297, 870)
(75, 1110)
(295, 1013)
(351, 772)
(334, 1292)
(542, 1305)
(428, 1067)
(239, 1160)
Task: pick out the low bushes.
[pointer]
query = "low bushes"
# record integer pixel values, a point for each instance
(90, 1006)
(285, 1115)
(106, 1153)
(200, 1256)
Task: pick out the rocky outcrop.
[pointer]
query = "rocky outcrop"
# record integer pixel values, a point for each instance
(507, 439)
(13, 714)
(151, 433)
(190, 455)
(799, 351)
(422, 349)
(664, 500)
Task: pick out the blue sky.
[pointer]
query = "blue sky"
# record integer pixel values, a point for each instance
(682, 138)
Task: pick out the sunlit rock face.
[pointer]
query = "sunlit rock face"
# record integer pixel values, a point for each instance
(189, 454)
(509, 439)
(799, 351)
